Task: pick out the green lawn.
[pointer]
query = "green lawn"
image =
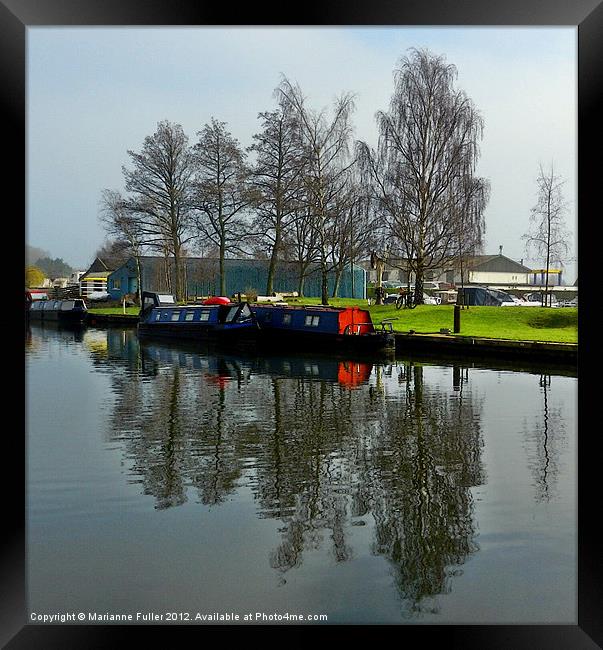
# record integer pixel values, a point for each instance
(516, 323)
(118, 311)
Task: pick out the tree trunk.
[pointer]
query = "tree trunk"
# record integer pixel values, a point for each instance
(324, 298)
(273, 263)
(337, 283)
(138, 280)
(222, 270)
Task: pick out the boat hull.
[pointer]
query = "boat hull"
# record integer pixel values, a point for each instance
(235, 333)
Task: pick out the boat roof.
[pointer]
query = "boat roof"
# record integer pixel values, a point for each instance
(304, 307)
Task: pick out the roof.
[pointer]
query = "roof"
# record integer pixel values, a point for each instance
(152, 262)
(98, 266)
(96, 275)
(496, 264)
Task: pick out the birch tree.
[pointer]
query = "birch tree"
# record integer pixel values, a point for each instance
(326, 149)
(548, 236)
(428, 145)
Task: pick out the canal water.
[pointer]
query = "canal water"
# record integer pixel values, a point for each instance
(177, 480)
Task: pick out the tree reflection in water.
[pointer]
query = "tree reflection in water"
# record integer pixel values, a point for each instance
(320, 455)
(545, 438)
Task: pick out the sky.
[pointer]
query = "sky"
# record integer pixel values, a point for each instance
(93, 93)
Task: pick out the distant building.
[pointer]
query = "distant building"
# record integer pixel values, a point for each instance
(242, 275)
(95, 278)
(495, 269)
(479, 269)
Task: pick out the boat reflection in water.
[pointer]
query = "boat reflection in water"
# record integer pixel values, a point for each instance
(218, 366)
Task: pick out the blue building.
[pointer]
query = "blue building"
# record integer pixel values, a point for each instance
(242, 275)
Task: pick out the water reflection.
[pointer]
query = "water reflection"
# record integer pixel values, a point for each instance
(545, 438)
(324, 445)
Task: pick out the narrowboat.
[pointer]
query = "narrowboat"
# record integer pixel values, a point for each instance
(63, 311)
(323, 328)
(216, 319)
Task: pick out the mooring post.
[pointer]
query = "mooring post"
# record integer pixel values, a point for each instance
(457, 319)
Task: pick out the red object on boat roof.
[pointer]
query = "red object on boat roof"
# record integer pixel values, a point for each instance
(217, 300)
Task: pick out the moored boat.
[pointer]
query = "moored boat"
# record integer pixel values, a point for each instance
(64, 311)
(222, 320)
(323, 327)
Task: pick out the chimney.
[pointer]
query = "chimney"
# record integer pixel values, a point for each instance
(500, 250)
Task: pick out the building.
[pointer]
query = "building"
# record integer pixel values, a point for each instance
(479, 269)
(246, 276)
(95, 278)
(495, 270)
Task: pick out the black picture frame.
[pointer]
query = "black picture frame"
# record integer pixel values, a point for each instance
(587, 15)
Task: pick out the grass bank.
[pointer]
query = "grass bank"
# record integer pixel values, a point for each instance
(512, 323)
(114, 311)
(559, 325)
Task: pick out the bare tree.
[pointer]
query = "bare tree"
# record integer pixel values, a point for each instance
(468, 213)
(160, 183)
(548, 235)
(276, 182)
(351, 230)
(427, 146)
(326, 148)
(126, 229)
(299, 245)
(221, 192)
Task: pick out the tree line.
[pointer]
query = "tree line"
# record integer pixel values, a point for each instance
(306, 191)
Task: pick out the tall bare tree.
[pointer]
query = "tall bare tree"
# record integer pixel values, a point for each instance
(548, 235)
(221, 192)
(326, 148)
(468, 213)
(126, 229)
(299, 245)
(428, 143)
(276, 182)
(160, 184)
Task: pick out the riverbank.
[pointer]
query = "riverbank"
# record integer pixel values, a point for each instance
(529, 333)
(541, 324)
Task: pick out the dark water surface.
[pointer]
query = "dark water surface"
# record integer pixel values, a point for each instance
(163, 478)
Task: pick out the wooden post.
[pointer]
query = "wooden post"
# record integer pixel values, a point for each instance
(457, 319)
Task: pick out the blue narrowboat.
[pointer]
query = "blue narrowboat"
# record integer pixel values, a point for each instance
(63, 311)
(216, 319)
(323, 328)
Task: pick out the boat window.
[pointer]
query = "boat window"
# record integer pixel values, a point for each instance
(268, 317)
(56, 304)
(189, 315)
(245, 313)
(286, 319)
(148, 302)
(48, 305)
(204, 315)
(37, 305)
(166, 299)
(230, 316)
(176, 315)
(157, 315)
(312, 321)
(67, 305)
